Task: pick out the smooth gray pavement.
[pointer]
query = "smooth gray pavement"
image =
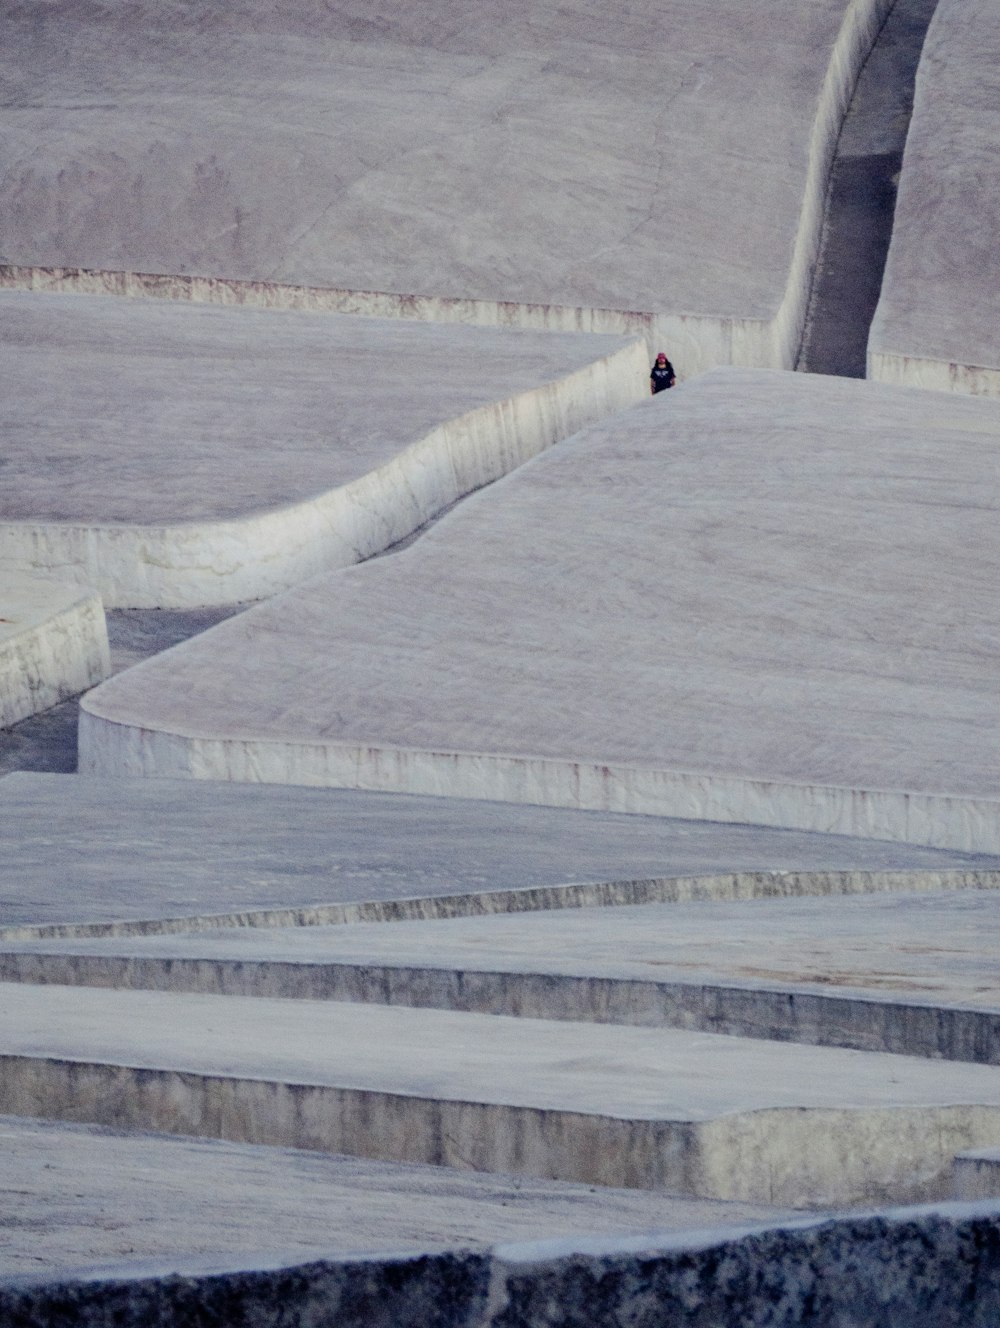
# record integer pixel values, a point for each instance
(770, 598)
(937, 323)
(79, 850)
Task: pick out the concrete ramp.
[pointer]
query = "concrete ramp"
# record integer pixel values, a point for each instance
(575, 168)
(53, 643)
(176, 456)
(937, 322)
(769, 599)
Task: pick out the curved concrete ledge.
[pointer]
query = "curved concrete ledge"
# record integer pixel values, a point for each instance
(936, 322)
(905, 1268)
(698, 305)
(190, 561)
(971, 825)
(53, 644)
(717, 609)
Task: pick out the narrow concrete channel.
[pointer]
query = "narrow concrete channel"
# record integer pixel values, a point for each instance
(861, 198)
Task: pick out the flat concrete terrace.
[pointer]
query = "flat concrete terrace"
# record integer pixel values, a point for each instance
(768, 599)
(914, 974)
(937, 323)
(163, 854)
(53, 644)
(179, 455)
(690, 1113)
(669, 162)
(84, 1196)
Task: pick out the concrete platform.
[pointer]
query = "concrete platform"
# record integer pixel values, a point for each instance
(690, 1113)
(141, 855)
(770, 599)
(909, 974)
(53, 643)
(78, 1196)
(977, 1174)
(176, 455)
(604, 181)
(937, 324)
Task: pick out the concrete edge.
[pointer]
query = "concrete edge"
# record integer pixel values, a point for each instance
(789, 1156)
(54, 658)
(189, 564)
(907, 370)
(592, 894)
(773, 1011)
(902, 1268)
(938, 820)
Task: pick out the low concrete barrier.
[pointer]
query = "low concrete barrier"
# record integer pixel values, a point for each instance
(917, 1268)
(53, 644)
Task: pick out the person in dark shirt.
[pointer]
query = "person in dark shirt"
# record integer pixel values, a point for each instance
(662, 375)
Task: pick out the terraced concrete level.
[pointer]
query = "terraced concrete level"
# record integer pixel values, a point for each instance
(768, 599)
(565, 168)
(139, 855)
(175, 455)
(78, 1196)
(53, 643)
(903, 973)
(937, 323)
(689, 1113)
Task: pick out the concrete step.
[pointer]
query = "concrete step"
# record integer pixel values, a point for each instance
(242, 855)
(911, 974)
(79, 1195)
(688, 1113)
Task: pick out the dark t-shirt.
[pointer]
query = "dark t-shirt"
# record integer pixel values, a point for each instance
(662, 376)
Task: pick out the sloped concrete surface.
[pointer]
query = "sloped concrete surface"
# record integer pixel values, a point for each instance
(562, 162)
(143, 853)
(769, 599)
(177, 455)
(937, 323)
(690, 1113)
(53, 643)
(83, 1196)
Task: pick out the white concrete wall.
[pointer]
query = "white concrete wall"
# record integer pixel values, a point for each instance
(937, 324)
(53, 644)
(194, 563)
(969, 824)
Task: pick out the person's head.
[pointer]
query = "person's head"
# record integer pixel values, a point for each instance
(661, 358)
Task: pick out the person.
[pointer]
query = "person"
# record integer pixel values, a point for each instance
(661, 375)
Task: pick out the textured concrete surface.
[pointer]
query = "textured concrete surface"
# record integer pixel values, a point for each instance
(913, 1268)
(174, 455)
(563, 162)
(902, 973)
(53, 643)
(83, 1196)
(690, 1113)
(80, 851)
(770, 600)
(937, 324)
(977, 1174)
